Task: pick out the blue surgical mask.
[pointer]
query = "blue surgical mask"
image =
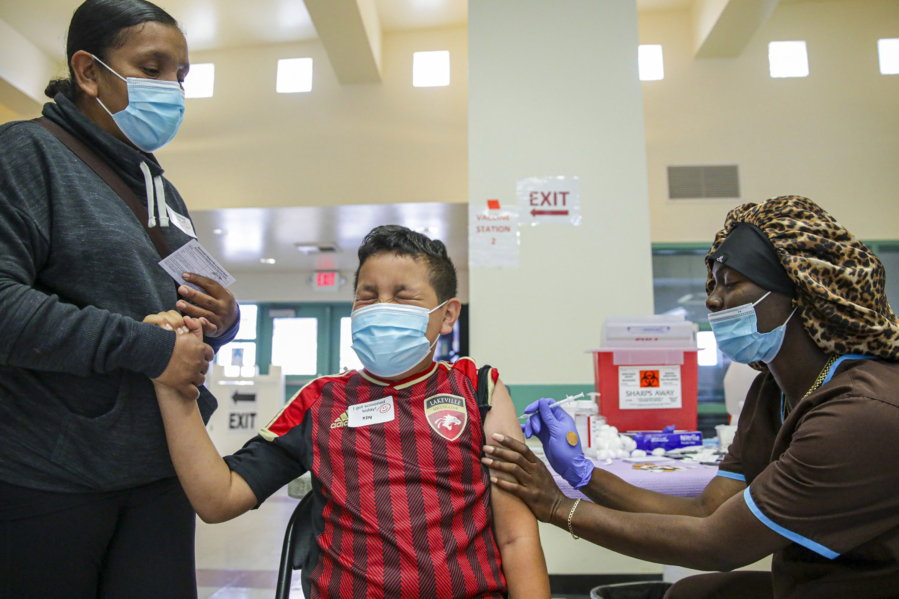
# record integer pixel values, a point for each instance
(737, 333)
(154, 113)
(390, 338)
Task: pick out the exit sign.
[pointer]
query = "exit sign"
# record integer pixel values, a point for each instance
(326, 281)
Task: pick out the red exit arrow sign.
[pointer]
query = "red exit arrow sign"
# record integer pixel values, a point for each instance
(549, 213)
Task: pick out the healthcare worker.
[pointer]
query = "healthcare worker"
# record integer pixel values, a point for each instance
(811, 475)
(89, 502)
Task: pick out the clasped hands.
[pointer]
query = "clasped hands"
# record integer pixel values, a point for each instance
(210, 314)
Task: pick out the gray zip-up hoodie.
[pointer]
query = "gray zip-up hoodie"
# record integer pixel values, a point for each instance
(78, 274)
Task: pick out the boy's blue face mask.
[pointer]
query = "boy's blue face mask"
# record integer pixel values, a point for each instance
(154, 113)
(737, 333)
(390, 338)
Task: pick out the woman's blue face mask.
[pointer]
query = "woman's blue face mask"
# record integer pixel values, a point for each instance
(154, 113)
(737, 333)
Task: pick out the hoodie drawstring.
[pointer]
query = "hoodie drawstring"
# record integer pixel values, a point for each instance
(149, 180)
(160, 202)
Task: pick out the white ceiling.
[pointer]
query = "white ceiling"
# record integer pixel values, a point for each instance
(250, 234)
(216, 24)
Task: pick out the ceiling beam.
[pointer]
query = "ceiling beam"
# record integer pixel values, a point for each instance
(351, 34)
(24, 72)
(723, 28)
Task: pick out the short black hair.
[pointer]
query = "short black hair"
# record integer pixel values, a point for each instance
(98, 26)
(401, 241)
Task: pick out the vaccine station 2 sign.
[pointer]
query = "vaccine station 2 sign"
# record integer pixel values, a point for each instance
(493, 234)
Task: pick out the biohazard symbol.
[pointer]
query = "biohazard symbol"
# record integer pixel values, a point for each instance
(649, 378)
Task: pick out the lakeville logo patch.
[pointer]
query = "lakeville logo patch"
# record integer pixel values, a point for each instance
(447, 415)
(340, 422)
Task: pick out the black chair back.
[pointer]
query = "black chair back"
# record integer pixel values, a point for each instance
(298, 539)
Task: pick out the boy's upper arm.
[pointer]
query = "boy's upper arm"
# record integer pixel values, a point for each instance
(512, 516)
(502, 418)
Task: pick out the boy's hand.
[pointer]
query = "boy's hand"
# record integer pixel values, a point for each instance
(190, 359)
(216, 309)
(170, 321)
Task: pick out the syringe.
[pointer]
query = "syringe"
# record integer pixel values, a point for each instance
(558, 403)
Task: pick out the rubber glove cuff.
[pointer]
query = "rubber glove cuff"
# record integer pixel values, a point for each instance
(580, 472)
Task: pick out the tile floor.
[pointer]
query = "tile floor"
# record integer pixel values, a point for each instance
(239, 559)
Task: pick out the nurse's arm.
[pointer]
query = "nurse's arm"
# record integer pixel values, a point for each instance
(612, 492)
(730, 538)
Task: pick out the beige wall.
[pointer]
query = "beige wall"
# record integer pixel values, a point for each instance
(833, 136)
(7, 114)
(353, 144)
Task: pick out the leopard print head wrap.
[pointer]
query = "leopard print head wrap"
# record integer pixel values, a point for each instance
(839, 282)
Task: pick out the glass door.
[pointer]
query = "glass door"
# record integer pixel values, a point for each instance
(300, 341)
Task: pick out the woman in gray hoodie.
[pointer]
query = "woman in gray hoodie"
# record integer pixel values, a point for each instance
(89, 502)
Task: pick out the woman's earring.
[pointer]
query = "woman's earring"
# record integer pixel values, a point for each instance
(794, 303)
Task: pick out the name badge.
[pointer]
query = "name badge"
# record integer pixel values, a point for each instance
(372, 412)
(182, 222)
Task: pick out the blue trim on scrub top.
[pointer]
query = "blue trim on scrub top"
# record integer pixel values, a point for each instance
(796, 538)
(830, 373)
(833, 368)
(733, 475)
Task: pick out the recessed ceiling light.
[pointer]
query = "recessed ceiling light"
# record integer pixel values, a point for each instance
(431, 69)
(218, 231)
(314, 248)
(267, 260)
(200, 81)
(650, 62)
(787, 59)
(294, 76)
(888, 51)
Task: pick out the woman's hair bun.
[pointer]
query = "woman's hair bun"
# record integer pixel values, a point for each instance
(59, 86)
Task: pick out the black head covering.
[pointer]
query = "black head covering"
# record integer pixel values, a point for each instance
(748, 251)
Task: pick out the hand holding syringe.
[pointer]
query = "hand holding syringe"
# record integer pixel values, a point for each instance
(562, 402)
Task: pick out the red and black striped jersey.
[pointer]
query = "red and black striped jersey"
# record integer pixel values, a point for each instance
(401, 507)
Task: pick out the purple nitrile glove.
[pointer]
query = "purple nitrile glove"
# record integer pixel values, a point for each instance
(551, 426)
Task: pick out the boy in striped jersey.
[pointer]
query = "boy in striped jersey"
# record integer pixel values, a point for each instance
(402, 506)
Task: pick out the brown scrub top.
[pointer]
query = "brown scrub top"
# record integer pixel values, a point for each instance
(827, 478)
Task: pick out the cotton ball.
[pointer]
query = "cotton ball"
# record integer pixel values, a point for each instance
(620, 454)
(628, 443)
(603, 454)
(638, 453)
(614, 430)
(658, 451)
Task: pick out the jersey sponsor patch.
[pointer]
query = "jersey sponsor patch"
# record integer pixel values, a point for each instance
(447, 415)
(340, 422)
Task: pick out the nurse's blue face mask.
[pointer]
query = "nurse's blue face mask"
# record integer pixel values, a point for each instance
(390, 338)
(154, 113)
(737, 333)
